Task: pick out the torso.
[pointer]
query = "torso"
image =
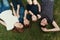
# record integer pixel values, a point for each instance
(33, 8)
(8, 18)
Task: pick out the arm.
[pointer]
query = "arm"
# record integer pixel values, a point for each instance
(34, 17)
(26, 21)
(39, 7)
(14, 13)
(25, 14)
(3, 23)
(31, 13)
(18, 8)
(56, 27)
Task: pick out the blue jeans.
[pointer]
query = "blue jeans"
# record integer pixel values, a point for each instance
(4, 6)
(21, 13)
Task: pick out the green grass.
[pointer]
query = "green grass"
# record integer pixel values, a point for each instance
(33, 33)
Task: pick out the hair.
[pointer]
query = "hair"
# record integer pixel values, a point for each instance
(43, 26)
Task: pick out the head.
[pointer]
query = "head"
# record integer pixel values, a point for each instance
(34, 18)
(26, 22)
(18, 25)
(44, 22)
(39, 16)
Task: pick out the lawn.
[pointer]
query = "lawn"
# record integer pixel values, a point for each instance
(34, 32)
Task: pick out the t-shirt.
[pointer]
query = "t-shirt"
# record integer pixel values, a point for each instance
(9, 19)
(33, 8)
(47, 10)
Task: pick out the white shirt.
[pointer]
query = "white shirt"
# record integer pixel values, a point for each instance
(9, 19)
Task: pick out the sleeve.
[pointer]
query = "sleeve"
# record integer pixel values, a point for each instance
(9, 27)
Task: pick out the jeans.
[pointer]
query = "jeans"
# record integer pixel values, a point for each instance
(21, 13)
(4, 5)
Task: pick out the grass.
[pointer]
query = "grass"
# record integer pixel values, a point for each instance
(34, 33)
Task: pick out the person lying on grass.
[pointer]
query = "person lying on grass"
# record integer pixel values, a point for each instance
(19, 9)
(10, 21)
(47, 16)
(33, 9)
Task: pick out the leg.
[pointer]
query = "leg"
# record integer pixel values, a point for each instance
(21, 13)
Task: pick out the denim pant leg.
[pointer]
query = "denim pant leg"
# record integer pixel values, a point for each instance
(6, 5)
(21, 14)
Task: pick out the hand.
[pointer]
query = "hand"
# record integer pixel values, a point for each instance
(18, 6)
(44, 29)
(39, 16)
(34, 18)
(26, 21)
(39, 10)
